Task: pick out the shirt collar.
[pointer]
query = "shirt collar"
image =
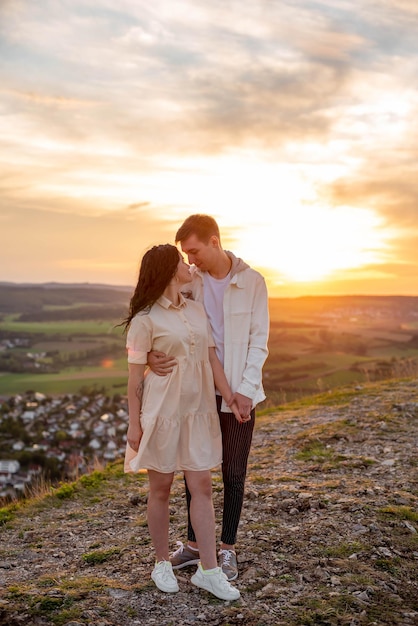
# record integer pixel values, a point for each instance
(166, 303)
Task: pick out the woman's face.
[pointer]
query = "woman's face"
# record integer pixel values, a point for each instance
(183, 272)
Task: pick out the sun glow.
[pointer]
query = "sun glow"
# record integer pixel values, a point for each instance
(312, 243)
(270, 213)
(272, 216)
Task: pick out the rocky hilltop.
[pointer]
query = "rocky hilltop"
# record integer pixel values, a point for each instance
(328, 534)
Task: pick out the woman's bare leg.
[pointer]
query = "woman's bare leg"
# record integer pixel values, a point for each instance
(203, 516)
(158, 512)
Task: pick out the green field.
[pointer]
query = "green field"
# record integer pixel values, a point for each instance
(67, 381)
(67, 328)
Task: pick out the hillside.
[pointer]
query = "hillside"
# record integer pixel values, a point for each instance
(28, 298)
(328, 534)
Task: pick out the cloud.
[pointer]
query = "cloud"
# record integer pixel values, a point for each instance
(138, 109)
(219, 78)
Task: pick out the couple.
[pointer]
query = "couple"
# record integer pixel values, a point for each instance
(214, 338)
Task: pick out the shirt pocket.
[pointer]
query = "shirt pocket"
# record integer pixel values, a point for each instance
(240, 326)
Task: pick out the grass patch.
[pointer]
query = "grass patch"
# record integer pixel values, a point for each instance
(65, 491)
(93, 480)
(260, 480)
(85, 584)
(332, 431)
(318, 452)
(335, 397)
(387, 565)
(99, 556)
(46, 605)
(7, 513)
(400, 512)
(58, 609)
(342, 550)
(47, 581)
(285, 478)
(329, 398)
(324, 611)
(91, 485)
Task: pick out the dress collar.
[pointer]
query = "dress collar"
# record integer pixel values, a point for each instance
(166, 303)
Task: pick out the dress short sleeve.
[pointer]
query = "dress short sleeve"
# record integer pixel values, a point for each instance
(139, 339)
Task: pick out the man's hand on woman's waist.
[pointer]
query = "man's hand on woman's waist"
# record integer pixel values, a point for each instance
(160, 363)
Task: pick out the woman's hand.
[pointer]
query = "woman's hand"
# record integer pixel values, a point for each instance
(243, 404)
(134, 435)
(234, 408)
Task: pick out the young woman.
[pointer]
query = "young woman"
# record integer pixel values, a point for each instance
(173, 419)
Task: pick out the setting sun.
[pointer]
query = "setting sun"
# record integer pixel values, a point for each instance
(272, 216)
(310, 245)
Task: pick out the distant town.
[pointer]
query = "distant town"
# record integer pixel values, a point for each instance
(57, 438)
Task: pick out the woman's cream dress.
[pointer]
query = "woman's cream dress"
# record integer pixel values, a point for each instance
(179, 419)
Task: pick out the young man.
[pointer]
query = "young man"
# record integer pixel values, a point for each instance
(236, 302)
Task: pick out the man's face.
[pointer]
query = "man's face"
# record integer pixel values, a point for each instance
(200, 254)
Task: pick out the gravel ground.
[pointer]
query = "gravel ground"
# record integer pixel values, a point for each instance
(328, 534)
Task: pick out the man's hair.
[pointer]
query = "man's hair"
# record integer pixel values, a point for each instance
(203, 226)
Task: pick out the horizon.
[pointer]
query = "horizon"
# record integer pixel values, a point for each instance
(87, 284)
(119, 122)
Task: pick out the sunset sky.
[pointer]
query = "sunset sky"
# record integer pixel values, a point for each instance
(294, 123)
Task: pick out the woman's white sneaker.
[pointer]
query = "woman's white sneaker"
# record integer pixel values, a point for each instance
(164, 577)
(215, 582)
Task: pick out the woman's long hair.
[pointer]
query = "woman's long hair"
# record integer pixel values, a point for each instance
(158, 266)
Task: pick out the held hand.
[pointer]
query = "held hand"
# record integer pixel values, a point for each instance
(244, 406)
(160, 363)
(134, 436)
(234, 408)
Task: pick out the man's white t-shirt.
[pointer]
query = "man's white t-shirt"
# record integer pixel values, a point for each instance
(213, 301)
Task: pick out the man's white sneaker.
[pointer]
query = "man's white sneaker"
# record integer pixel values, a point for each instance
(215, 582)
(164, 578)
